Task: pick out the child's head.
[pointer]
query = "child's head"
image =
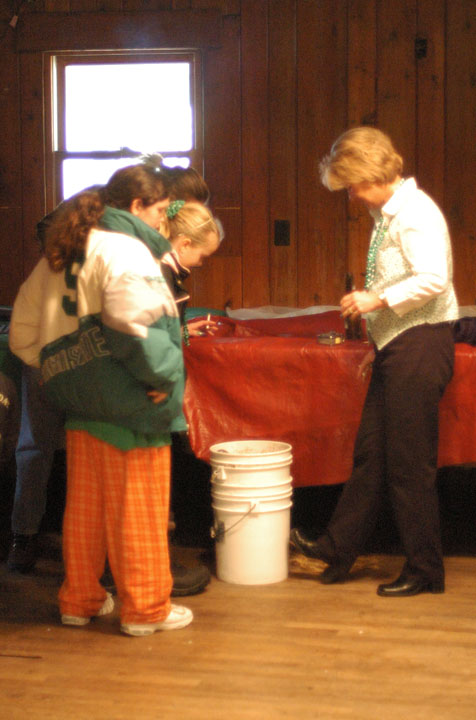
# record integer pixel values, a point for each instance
(181, 183)
(193, 232)
(185, 184)
(140, 190)
(136, 188)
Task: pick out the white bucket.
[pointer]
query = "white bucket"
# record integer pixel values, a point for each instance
(251, 491)
(251, 462)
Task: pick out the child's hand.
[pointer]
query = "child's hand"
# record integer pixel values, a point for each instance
(198, 328)
(156, 396)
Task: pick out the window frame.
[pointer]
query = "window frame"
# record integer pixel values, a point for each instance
(55, 151)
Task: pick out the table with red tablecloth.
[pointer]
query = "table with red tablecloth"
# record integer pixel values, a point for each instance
(271, 379)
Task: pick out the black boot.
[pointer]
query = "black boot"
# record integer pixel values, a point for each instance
(23, 553)
(188, 581)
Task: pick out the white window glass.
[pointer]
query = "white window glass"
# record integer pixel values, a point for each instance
(141, 106)
(172, 161)
(108, 109)
(80, 174)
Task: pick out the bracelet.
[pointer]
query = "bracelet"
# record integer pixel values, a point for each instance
(185, 333)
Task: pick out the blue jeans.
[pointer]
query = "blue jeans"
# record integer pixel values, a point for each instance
(41, 433)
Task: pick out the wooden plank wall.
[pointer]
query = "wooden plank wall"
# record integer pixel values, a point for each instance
(287, 78)
(460, 139)
(11, 245)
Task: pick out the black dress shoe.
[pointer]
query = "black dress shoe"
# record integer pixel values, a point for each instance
(406, 587)
(337, 571)
(309, 548)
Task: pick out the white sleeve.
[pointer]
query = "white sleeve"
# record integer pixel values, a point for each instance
(24, 332)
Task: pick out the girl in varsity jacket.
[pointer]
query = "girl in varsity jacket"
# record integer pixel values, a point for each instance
(98, 318)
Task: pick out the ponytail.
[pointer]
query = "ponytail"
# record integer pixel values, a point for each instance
(68, 233)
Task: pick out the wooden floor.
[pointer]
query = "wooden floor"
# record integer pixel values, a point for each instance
(295, 649)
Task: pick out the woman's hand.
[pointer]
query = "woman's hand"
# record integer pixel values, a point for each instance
(359, 302)
(156, 396)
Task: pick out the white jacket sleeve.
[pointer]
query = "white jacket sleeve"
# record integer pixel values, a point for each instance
(25, 324)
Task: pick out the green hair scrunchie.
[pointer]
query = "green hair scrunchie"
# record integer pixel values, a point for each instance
(174, 207)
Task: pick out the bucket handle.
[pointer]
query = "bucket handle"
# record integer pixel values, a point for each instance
(218, 474)
(217, 532)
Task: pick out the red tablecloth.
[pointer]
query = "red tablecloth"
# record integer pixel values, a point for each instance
(284, 385)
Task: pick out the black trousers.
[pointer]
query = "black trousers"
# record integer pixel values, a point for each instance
(396, 451)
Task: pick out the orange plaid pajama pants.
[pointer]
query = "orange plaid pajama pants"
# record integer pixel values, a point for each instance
(117, 505)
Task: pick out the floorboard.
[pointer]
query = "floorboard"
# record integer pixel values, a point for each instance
(295, 649)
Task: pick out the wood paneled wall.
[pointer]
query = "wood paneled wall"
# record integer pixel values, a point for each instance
(286, 78)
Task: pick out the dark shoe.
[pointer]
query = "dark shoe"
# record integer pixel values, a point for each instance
(309, 548)
(189, 581)
(338, 571)
(406, 587)
(23, 553)
(107, 580)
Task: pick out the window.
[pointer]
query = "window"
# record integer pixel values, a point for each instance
(108, 109)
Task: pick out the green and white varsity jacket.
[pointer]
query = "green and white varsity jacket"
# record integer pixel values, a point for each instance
(104, 332)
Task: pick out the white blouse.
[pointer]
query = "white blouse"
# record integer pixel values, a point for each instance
(414, 269)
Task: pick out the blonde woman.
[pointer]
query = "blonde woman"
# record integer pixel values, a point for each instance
(410, 303)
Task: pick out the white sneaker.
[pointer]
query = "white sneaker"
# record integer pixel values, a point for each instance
(107, 607)
(178, 617)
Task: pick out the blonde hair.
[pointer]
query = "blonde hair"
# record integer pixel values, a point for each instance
(362, 154)
(192, 220)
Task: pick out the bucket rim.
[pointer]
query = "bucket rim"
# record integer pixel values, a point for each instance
(248, 497)
(253, 511)
(256, 486)
(283, 447)
(233, 462)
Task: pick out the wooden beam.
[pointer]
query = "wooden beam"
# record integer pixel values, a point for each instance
(114, 30)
